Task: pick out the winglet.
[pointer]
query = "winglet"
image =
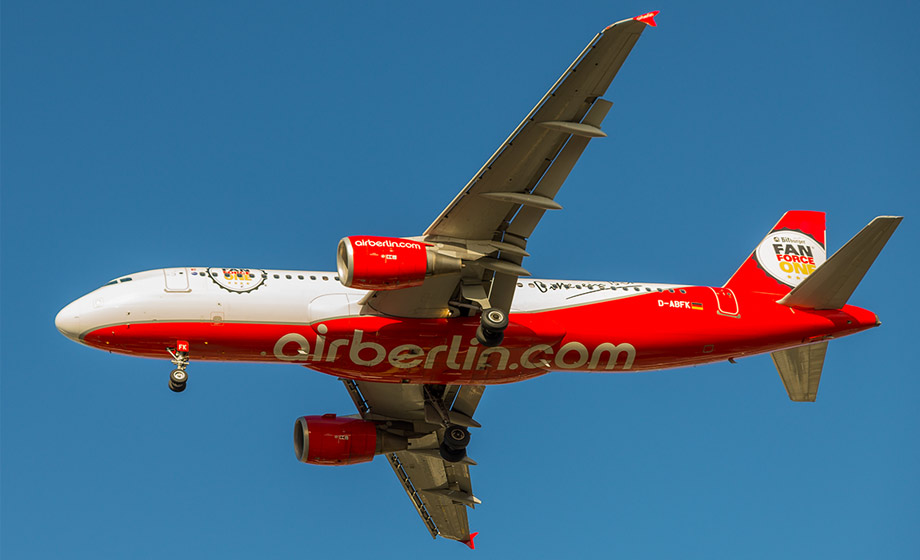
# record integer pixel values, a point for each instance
(469, 543)
(648, 18)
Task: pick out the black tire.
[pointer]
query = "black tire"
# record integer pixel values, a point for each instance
(452, 455)
(178, 376)
(489, 338)
(494, 319)
(456, 437)
(176, 387)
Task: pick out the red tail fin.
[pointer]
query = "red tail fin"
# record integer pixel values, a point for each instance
(786, 256)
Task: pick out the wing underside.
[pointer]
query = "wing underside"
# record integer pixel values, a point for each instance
(439, 490)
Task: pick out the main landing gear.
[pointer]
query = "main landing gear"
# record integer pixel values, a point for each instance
(453, 446)
(178, 376)
(456, 436)
(492, 325)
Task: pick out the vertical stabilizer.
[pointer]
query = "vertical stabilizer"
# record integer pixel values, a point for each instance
(792, 250)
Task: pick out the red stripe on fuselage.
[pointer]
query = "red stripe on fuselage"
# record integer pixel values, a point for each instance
(644, 332)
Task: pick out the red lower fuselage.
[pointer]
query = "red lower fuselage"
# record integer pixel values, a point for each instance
(618, 328)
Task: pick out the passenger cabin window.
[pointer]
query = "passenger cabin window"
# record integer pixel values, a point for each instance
(683, 291)
(300, 276)
(276, 276)
(312, 277)
(288, 276)
(325, 278)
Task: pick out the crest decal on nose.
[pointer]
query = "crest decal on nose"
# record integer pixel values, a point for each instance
(238, 280)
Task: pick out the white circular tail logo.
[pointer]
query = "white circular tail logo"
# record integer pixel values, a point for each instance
(789, 256)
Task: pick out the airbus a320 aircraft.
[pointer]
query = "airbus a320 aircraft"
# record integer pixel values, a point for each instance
(417, 327)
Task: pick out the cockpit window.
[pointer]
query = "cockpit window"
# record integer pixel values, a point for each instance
(117, 280)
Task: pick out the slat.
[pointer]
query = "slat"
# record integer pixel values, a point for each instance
(413, 494)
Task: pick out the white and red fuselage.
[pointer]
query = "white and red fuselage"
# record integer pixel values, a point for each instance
(311, 319)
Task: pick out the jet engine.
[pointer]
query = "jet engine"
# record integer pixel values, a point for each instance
(331, 440)
(389, 263)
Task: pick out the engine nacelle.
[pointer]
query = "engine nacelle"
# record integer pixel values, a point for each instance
(389, 263)
(331, 440)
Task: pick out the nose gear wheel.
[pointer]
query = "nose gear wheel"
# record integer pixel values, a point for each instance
(178, 377)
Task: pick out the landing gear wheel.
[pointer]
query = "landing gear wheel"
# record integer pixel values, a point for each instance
(489, 339)
(178, 377)
(453, 447)
(492, 325)
(452, 455)
(494, 319)
(456, 437)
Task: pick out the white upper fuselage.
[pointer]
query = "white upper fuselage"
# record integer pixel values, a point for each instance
(282, 296)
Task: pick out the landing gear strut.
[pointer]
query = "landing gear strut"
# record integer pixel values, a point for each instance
(178, 376)
(492, 325)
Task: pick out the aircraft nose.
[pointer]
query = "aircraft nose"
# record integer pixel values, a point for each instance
(68, 320)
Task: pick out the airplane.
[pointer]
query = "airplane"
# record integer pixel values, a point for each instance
(417, 327)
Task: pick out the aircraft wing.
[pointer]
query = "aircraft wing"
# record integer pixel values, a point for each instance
(440, 491)
(488, 223)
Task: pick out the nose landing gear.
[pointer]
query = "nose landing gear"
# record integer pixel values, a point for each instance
(178, 376)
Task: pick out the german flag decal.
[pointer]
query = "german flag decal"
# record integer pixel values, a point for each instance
(696, 306)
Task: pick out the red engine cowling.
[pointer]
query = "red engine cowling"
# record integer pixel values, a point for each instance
(381, 263)
(390, 263)
(329, 440)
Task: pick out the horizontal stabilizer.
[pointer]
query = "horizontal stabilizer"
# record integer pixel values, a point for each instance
(800, 370)
(832, 283)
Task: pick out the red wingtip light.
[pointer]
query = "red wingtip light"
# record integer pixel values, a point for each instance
(649, 18)
(469, 543)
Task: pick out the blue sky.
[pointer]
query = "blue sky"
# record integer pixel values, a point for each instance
(139, 136)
